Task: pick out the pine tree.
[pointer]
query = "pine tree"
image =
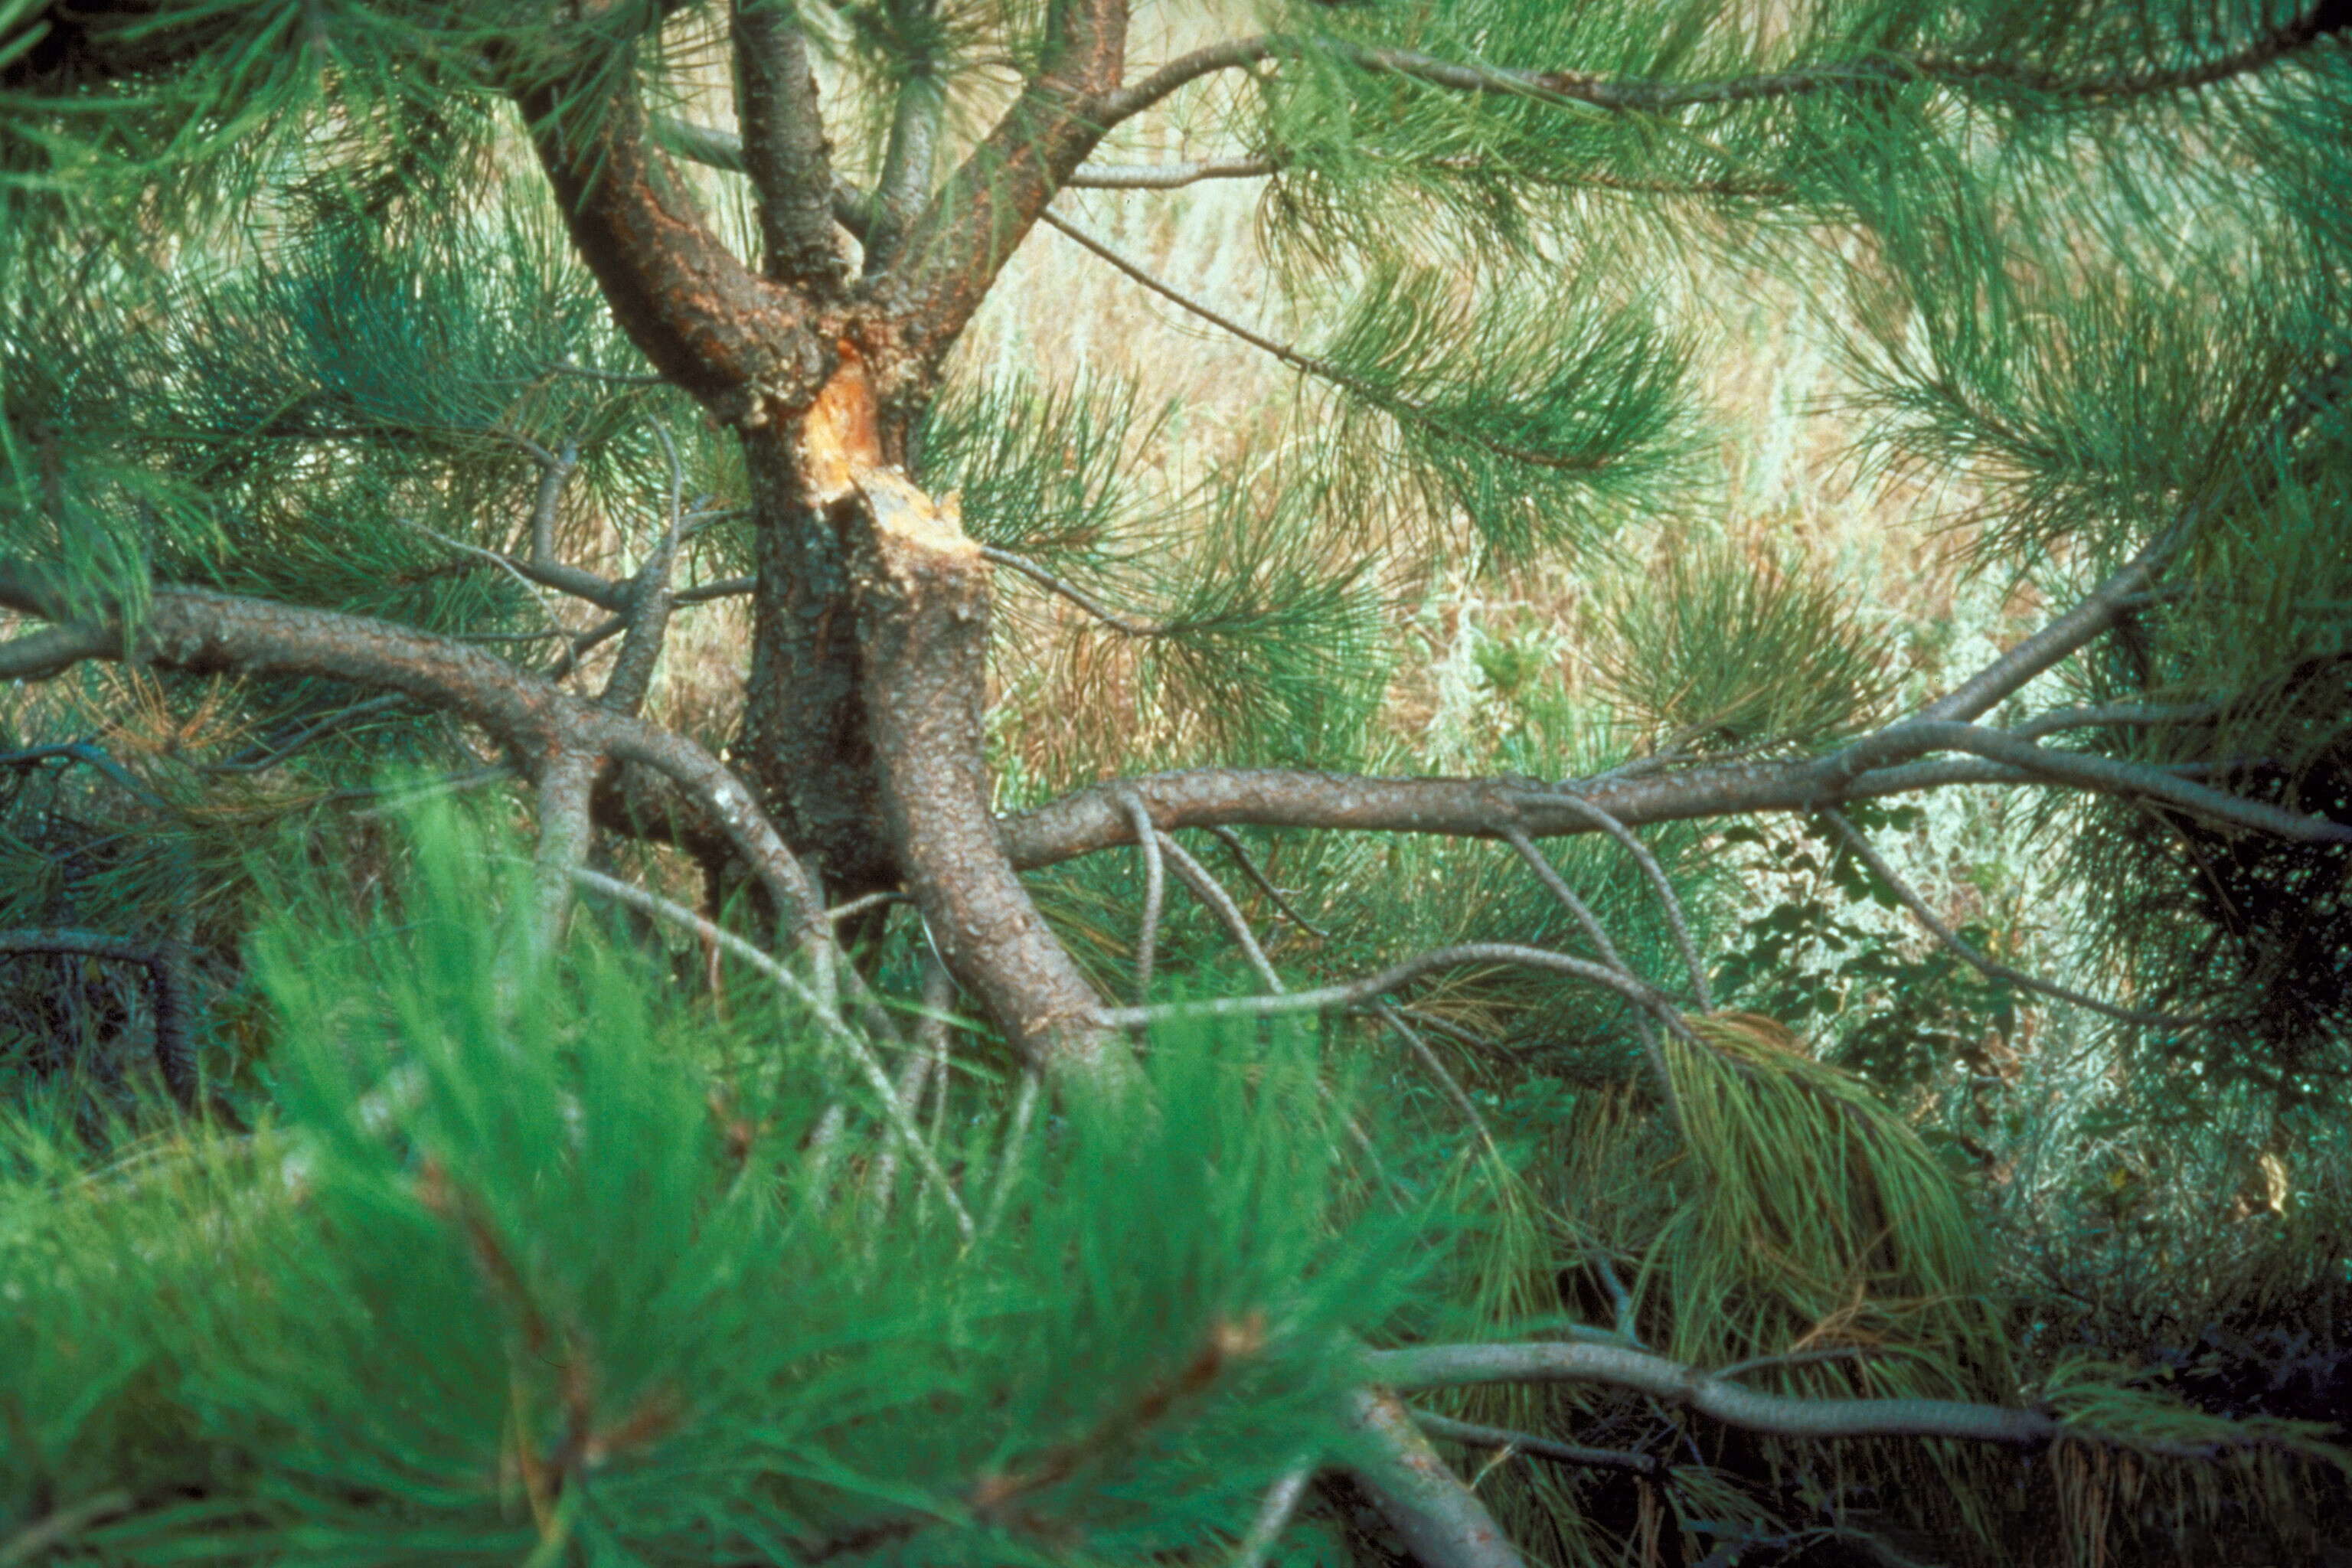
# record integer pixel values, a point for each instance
(722, 1147)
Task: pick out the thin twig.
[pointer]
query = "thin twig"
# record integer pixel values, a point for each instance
(863, 903)
(1869, 856)
(1548, 873)
(1470, 1435)
(168, 992)
(1274, 1513)
(1790, 1359)
(1675, 920)
(1024, 1107)
(1232, 841)
(1356, 992)
(269, 758)
(1210, 892)
(1147, 842)
(893, 1112)
(1429, 1060)
(1100, 611)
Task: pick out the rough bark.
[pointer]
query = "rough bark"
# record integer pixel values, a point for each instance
(805, 742)
(922, 623)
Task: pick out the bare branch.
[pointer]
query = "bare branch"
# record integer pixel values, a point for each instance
(1212, 892)
(2119, 715)
(1869, 856)
(1577, 805)
(2075, 630)
(52, 650)
(1550, 875)
(550, 573)
(928, 1057)
(1357, 992)
(1436, 1069)
(1780, 1414)
(972, 225)
(1388, 401)
(2323, 19)
(1068, 590)
(206, 633)
(895, 1110)
(1442, 1521)
(1167, 177)
(1671, 1383)
(166, 964)
(555, 470)
(1273, 1515)
(1240, 852)
(1024, 1107)
(565, 839)
(1471, 1435)
(910, 156)
(1147, 941)
(737, 342)
(923, 600)
(783, 142)
(650, 600)
(259, 760)
(2103, 774)
(1110, 107)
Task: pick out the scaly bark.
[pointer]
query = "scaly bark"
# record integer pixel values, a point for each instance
(922, 622)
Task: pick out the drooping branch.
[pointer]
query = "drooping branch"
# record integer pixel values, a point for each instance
(2323, 20)
(1719, 1399)
(1212, 892)
(1909, 897)
(205, 633)
(784, 148)
(1147, 935)
(1240, 852)
(896, 1109)
(1386, 400)
(1372, 988)
(1672, 1383)
(1471, 1435)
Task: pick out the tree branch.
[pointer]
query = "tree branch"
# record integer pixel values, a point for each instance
(923, 628)
(1147, 937)
(1233, 845)
(735, 340)
(971, 227)
(1672, 1383)
(2323, 20)
(1470, 1435)
(895, 1110)
(910, 156)
(784, 149)
(1911, 901)
(1442, 1521)
(205, 632)
(1167, 177)
(1372, 987)
(1212, 892)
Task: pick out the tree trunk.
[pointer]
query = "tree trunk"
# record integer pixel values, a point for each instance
(805, 746)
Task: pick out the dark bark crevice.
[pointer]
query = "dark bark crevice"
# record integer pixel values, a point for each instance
(804, 742)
